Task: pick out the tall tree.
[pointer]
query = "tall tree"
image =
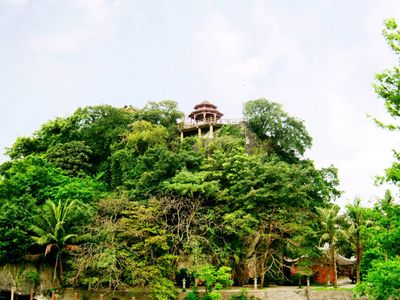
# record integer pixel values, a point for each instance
(15, 221)
(127, 245)
(357, 216)
(163, 113)
(73, 157)
(331, 231)
(281, 133)
(387, 87)
(54, 230)
(388, 82)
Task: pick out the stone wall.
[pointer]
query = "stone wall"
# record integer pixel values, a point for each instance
(25, 277)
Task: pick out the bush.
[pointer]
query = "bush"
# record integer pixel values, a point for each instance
(32, 277)
(193, 295)
(162, 289)
(214, 279)
(242, 296)
(382, 281)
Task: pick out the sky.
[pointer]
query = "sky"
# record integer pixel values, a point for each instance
(315, 57)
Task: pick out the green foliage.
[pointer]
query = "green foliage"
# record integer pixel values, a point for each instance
(153, 202)
(15, 221)
(55, 228)
(230, 130)
(214, 279)
(144, 135)
(212, 296)
(358, 219)
(381, 260)
(387, 88)
(332, 231)
(24, 146)
(35, 176)
(30, 175)
(164, 113)
(387, 82)
(383, 233)
(125, 245)
(191, 184)
(242, 296)
(100, 127)
(88, 134)
(193, 294)
(32, 277)
(162, 289)
(383, 281)
(73, 157)
(282, 133)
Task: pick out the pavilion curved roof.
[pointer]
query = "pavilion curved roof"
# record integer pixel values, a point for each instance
(207, 108)
(205, 103)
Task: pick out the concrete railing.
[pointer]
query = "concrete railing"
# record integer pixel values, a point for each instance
(211, 121)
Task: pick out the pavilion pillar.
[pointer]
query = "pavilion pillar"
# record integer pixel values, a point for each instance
(211, 131)
(181, 135)
(199, 132)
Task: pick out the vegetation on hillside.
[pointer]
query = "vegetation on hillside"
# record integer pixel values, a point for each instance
(112, 198)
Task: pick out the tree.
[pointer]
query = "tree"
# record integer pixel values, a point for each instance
(331, 231)
(388, 82)
(98, 127)
(163, 113)
(281, 133)
(35, 176)
(53, 228)
(257, 199)
(384, 235)
(73, 157)
(127, 245)
(357, 216)
(214, 279)
(15, 221)
(383, 281)
(387, 88)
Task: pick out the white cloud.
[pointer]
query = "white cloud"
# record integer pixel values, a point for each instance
(18, 4)
(230, 59)
(89, 20)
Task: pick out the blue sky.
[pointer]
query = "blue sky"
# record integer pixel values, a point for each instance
(317, 58)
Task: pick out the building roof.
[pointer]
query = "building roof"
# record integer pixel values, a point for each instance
(205, 103)
(205, 107)
(325, 258)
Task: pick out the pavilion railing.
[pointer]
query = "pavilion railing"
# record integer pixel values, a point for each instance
(211, 121)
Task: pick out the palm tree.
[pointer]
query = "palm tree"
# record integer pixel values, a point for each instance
(51, 231)
(331, 231)
(357, 217)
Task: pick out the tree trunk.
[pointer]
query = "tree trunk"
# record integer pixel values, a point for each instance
(262, 279)
(61, 268)
(335, 283)
(55, 270)
(358, 262)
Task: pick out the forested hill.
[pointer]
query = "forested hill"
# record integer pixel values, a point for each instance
(112, 197)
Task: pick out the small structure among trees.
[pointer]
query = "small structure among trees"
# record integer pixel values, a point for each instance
(203, 121)
(323, 270)
(321, 267)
